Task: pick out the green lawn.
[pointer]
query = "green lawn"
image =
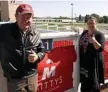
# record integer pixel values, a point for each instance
(75, 25)
(102, 26)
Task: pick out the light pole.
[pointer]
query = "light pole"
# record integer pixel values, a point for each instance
(72, 14)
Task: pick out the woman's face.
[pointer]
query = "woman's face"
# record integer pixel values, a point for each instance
(91, 23)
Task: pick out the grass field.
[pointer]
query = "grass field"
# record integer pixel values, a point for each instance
(58, 25)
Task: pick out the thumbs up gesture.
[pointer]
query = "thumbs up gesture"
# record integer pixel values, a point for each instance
(32, 57)
(92, 39)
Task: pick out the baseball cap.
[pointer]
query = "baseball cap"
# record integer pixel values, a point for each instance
(24, 8)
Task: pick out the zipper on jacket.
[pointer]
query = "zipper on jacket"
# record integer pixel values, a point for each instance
(23, 47)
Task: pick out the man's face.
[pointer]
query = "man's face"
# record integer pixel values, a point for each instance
(24, 20)
(91, 23)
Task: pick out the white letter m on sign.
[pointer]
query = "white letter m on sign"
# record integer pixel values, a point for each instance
(47, 73)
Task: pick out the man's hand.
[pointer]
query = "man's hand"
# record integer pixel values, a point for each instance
(32, 57)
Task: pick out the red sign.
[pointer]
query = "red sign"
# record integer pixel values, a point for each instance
(55, 70)
(106, 59)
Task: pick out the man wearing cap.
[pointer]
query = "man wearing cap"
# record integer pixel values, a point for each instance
(21, 50)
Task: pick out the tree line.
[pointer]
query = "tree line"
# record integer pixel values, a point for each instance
(100, 19)
(80, 18)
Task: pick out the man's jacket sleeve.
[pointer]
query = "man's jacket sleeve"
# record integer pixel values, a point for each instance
(40, 48)
(0, 41)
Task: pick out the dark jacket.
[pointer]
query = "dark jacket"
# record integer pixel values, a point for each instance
(93, 60)
(15, 48)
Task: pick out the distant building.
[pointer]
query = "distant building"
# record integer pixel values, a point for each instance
(7, 13)
(7, 9)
